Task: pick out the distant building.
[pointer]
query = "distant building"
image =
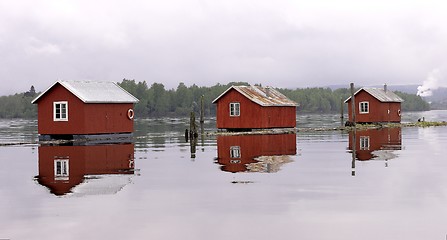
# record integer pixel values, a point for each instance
(74, 108)
(254, 107)
(375, 105)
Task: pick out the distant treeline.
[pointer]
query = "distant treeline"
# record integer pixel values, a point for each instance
(156, 101)
(18, 105)
(413, 102)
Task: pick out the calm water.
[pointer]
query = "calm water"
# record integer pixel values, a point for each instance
(299, 186)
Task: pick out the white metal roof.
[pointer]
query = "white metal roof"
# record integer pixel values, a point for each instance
(95, 92)
(380, 94)
(263, 96)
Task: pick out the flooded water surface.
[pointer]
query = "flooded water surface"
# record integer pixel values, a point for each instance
(308, 185)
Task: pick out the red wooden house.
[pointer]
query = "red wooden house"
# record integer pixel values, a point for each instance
(62, 168)
(254, 107)
(237, 153)
(82, 108)
(375, 105)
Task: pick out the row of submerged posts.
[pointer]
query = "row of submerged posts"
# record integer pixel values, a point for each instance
(191, 133)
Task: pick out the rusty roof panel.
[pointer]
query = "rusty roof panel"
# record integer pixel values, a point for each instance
(263, 96)
(382, 95)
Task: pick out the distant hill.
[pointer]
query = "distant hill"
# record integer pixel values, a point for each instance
(439, 99)
(439, 94)
(411, 89)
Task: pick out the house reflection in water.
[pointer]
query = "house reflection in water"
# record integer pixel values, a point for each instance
(377, 144)
(255, 153)
(85, 170)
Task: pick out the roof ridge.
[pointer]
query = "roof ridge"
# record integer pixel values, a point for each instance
(90, 91)
(261, 96)
(380, 94)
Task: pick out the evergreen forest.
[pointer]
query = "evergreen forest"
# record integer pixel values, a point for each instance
(157, 101)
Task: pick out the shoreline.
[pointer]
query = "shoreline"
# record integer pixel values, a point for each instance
(254, 132)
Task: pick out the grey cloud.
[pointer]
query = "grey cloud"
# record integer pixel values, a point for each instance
(281, 43)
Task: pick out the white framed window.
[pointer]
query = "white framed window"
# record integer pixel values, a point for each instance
(61, 171)
(235, 152)
(364, 142)
(60, 111)
(364, 107)
(235, 109)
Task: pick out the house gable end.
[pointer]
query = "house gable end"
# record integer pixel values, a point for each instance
(35, 100)
(379, 94)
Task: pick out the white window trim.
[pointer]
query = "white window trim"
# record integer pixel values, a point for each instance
(235, 113)
(54, 111)
(360, 107)
(364, 143)
(235, 152)
(61, 176)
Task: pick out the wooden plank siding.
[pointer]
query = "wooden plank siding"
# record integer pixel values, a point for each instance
(378, 111)
(83, 118)
(253, 115)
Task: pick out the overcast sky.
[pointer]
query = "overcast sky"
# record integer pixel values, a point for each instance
(281, 43)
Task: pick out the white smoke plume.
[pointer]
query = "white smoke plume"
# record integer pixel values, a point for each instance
(430, 84)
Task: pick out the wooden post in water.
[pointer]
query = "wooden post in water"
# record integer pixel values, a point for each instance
(202, 110)
(341, 112)
(192, 145)
(354, 151)
(353, 158)
(353, 104)
(202, 139)
(202, 113)
(192, 134)
(186, 135)
(192, 126)
(354, 137)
